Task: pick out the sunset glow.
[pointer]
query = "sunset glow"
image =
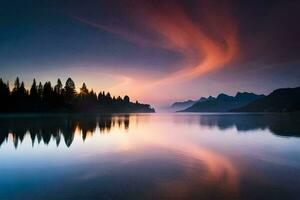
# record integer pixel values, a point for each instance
(177, 32)
(177, 48)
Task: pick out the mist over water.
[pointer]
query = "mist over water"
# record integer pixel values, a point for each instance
(150, 156)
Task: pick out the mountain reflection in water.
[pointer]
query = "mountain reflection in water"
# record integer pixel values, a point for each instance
(279, 124)
(43, 128)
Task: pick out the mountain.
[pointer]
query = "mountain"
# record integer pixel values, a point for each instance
(181, 105)
(223, 102)
(280, 100)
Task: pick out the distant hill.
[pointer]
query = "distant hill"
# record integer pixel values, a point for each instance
(223, 103)
(181, 105)
(280, 100)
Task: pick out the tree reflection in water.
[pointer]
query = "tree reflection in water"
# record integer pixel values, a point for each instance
(43, 128)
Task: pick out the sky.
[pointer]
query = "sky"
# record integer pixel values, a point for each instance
(155, 51)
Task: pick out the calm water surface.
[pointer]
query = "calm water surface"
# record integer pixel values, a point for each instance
(150, 156)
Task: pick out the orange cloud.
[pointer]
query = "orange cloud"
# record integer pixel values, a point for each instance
(206, 43)
(178, 32)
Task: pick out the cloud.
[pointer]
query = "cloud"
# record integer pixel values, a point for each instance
(176, 31)
(207, 42)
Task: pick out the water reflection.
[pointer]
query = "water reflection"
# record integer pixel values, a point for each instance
(44, 128)
(279, 124)
(168, 156)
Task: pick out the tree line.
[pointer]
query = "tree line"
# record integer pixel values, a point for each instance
(62, 98)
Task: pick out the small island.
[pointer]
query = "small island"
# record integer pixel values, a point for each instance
(45, 98)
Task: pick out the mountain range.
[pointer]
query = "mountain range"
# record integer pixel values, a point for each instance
(280, 100)
(223, 102)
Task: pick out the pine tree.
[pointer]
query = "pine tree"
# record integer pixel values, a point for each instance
(16, 87)
(22, 91)
(126, 99)
(70, 91)
(40, 90)
(33, 90)
(58, 87)
(4, 96)
(83, 90)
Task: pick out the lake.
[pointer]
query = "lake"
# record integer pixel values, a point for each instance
(150, 156)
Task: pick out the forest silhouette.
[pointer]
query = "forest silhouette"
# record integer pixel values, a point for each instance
(45, 98)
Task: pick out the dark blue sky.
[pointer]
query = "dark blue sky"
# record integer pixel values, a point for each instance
(152, 50)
